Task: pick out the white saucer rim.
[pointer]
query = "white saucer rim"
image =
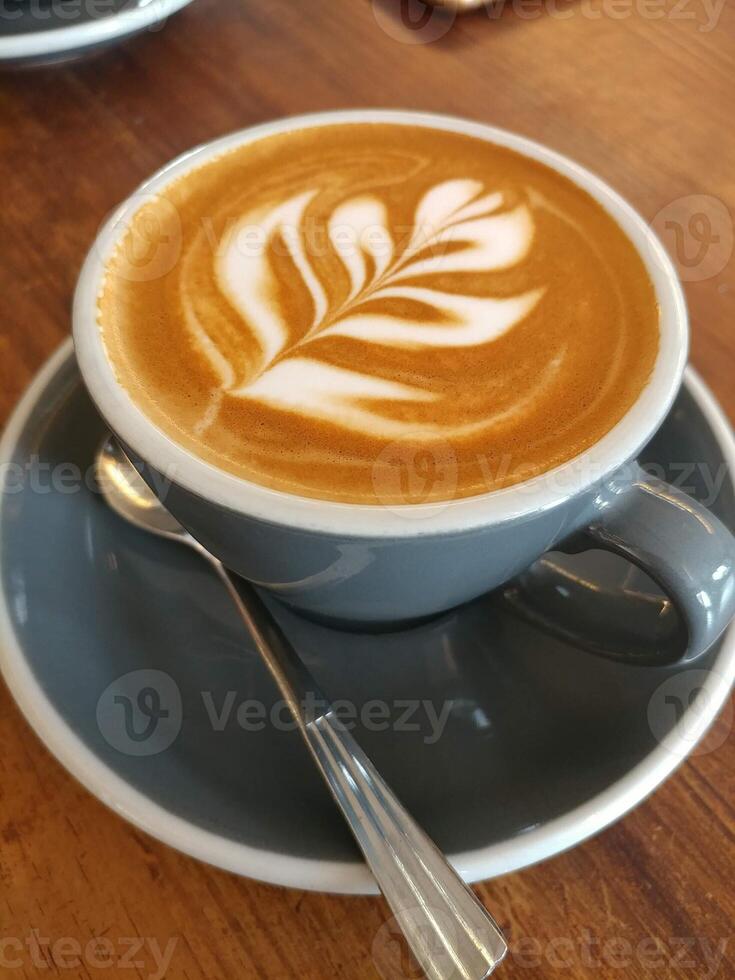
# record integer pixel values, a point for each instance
(75, 37)
(342, 876)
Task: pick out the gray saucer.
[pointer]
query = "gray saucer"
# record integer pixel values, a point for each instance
(125, 656)
(35, 33)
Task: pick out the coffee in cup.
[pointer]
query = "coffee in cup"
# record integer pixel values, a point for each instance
(330, 291)
(272, 318)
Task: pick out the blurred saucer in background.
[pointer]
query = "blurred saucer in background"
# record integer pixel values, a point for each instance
(35, 33)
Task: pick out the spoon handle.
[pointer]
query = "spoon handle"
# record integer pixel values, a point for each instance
(449, 931)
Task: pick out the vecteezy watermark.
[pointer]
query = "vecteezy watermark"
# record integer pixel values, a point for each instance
(584, 952)
(704, 481)
(320, 239)
(390, 948)
(680, 714)
(79, 11)
(66, 12)
(697, 231)
(421, 716)
(149, 247)
(413, 21)
(425, 471)
(652, 955)
(418, 22)
(141, 713)
(407, 471)
(149, 232)
(414, 471)
(40, 476)
(145, 955)
(703, 15)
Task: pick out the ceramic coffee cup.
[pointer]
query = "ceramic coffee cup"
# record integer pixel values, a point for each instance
(376, 564)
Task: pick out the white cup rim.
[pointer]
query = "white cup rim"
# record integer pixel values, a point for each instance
(541, 493)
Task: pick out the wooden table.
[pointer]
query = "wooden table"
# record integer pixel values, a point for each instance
(640, 91)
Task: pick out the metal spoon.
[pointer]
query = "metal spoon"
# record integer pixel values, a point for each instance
(449, 931)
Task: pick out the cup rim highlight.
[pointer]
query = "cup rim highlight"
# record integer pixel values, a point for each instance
(542, 492)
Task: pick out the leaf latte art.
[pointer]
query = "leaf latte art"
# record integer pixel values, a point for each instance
(291, 375)
(321, 310)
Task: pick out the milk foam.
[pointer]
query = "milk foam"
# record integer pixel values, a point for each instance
(347, 288)
(456, 213)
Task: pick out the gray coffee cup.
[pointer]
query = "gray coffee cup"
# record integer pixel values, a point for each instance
(379, 564)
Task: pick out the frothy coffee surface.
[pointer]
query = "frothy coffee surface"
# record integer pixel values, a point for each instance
(379, 313)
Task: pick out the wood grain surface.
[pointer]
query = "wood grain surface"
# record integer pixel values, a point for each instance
(638, 90)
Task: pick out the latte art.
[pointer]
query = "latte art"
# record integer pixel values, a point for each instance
(290, 374)
(340, 289)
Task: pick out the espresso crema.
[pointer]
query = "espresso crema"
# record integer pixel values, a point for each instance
(379, 313)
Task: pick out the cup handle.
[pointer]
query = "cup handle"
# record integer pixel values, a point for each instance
(677, 541)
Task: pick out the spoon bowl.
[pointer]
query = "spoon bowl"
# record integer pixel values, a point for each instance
(126, 492)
